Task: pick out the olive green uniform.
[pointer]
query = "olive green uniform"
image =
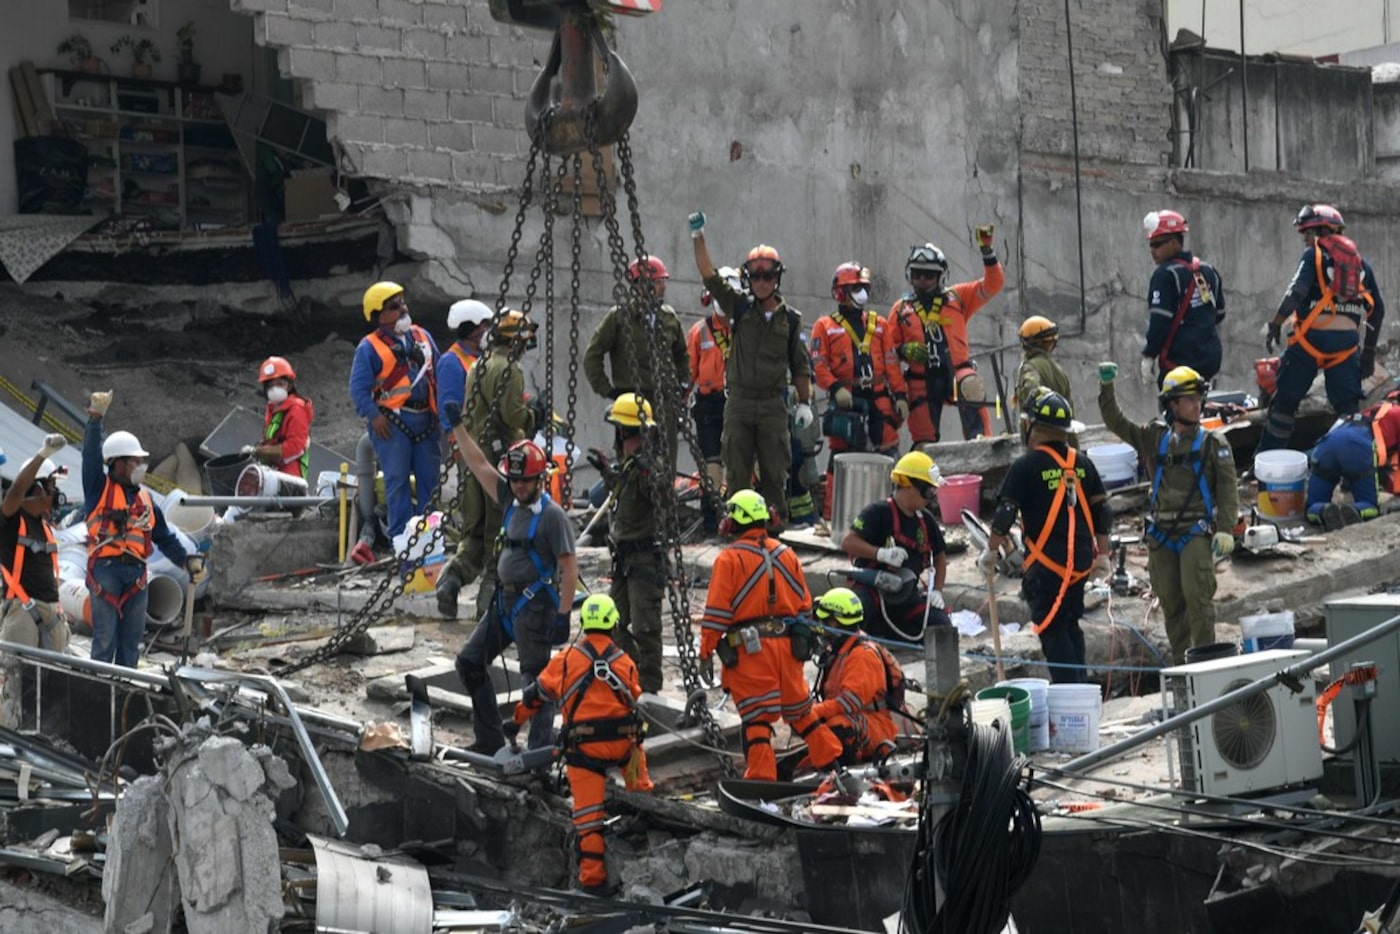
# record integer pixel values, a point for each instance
(635, 343)
(1038, 369)
(1184, 581)
(639, 566)
(765, 355)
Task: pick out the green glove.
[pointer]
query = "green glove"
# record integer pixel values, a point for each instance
(696, 220)
(1108, 371)
(1222, 543)
(916, 352)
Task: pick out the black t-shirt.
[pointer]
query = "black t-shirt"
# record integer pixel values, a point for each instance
(919, 534)
(37, 576)
(1031, 484)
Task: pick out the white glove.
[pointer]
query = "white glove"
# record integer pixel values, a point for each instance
(802, 415)
(248, 450)
(893, 556)
(843, 398)
(935, 600)
(1147, 371)
(52, 445)
(987, 562)
(99, 402)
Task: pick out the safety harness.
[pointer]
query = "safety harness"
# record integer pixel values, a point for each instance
(1196, 283)
(720, 336)
(273, 434)
(597, 729)
(1345, 287)
(1035, 550)
(1199, 527)
(24, 544)
(863, 366)
(933, 322)
(545, 581)
(119, 530)
(748, 634)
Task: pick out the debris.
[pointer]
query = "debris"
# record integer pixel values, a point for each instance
(384, 735)
(381, 640)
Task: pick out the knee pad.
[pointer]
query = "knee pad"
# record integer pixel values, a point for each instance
(971, 386)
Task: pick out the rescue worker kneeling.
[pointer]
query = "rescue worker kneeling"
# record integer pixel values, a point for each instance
(595, 686)
(855, 681)
(756, 591)
(1356, 452)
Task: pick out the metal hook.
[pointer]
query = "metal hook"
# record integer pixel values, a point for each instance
(563, 100)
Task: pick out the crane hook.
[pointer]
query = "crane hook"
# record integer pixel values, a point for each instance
(568, 87)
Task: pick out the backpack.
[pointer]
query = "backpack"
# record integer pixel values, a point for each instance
(1347, 270)
(894, 680)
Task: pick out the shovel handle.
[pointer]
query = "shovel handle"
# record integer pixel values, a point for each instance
(996, 626)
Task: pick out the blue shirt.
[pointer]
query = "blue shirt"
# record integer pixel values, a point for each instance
(364, 369)
(95, 481)
(452, 382)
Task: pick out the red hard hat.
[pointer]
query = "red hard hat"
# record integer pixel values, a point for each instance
(275, 367)
(848, 274)
(1319, 215)
(654, 267)
(524, 460)
(1161, 223)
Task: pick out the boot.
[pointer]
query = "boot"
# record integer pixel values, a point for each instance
(1350, 514)
(1331, 516)
(449, 587)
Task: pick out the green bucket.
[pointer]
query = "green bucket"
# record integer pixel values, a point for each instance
(1020, 701)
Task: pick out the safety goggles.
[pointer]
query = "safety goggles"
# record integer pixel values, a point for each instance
(394, 304)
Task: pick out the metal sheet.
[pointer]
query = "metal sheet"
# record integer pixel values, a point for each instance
(21, 440)
(244, 426)
(383, 896)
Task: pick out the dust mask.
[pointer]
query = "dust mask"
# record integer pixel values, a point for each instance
(138, 474)
(859, 297)
(403, 325)
(277, 395)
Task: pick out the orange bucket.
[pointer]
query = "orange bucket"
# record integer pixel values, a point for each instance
(558, 474)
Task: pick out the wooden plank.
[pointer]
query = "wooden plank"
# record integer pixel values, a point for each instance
(24, 108)
(43, 112)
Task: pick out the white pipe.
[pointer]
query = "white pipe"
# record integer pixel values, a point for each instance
(73, 599)
(165, 601)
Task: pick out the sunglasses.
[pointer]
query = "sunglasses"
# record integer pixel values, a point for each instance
(763, 275)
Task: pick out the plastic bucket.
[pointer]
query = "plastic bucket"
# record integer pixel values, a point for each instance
(1213, 650)
(956, 493)
(1074, 711)
(1282, 476)
(1020, 700)
(1267, 631)
(257, 480)
(1117, 464)
(991, 710)
(73, 599)
(1039, 725)
(859, 480)
(222, 472)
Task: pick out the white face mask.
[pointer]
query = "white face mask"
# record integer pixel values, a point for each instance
(277, 395)
(859, 297)
(402, 325)
(138, 474)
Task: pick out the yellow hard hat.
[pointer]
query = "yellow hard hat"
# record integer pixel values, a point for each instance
(1183, 381)
(630, 411)
(841, 606)
(916, 467)
(748, 507)
(377, 294)
(599, 614)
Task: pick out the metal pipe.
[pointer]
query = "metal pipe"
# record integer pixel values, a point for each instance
(255, 502)
(1290, 673)
(59, 660)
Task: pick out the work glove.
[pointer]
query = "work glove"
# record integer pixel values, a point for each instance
(893, 556)
(560, 634)
(99, 403)
(901, 409)
(1273, 335)
(248, 450)
(916, 352)
(1221, 544)
(935, 600)
(1368, 362)
(52, 445)
(539, 411)
(842, 397)
(1147, 370)
(707, 670)
(453, 411)
(511, 729)
(600, 461)
(697, 224)
(802, 415)
(194, 565)
(987, 562)
(1108, 371)
(984, 237)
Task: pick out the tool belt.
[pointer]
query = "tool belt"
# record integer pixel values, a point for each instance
(622, 550)
(750, 635)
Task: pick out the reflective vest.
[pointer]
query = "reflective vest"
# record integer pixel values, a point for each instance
(392, 386)
(119, 528)
(467, 358)
(25, 543)
(1035, 550)
(272, 434)
(1328, 303)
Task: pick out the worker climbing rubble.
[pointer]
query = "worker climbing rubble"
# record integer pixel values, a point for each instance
(859, 683)
(1185, 304)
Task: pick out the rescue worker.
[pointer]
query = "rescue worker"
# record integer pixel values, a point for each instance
(902, 534)
(756, 593)
(286, 440)
(929, 328)
(707, 346)
(639, 565)
(1185, 304)
(1193, 506)
(1334, 300)
(766, 354)
(1064, 512)
(122, 524)
(393, 386)
(1357, 452)
(469, 320)
(633, 342)
(1039, 336)
(29, 554)
(594, 684)
(538, 574)
(853, 359)
(804, 472)
(854, 681)
(495, 412)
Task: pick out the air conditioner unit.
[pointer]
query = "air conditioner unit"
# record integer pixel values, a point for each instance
(1262, 742)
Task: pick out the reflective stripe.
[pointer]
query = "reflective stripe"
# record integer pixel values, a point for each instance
(117, 528)
(392, 387)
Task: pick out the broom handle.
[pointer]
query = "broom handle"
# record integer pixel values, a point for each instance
(996, 626)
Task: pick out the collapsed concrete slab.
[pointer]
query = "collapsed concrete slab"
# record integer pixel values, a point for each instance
(137, 883)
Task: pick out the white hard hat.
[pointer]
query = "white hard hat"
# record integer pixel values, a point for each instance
(468, 311)
(122, 444)
(49, 469)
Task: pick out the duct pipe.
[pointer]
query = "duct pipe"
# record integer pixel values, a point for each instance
(165, 600)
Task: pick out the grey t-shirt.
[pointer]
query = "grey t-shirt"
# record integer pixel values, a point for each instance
(553, 537)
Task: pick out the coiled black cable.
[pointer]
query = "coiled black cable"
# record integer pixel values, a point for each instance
(981, 851)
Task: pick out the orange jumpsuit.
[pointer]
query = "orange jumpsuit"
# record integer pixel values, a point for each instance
(943, 330)
(601, 730)
(853, 691)
(755, 583)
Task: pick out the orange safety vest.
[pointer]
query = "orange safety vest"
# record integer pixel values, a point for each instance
(391, 384)
(466, 358)
(117, 528)
(708, 347)
(1035, 550)
(1327, 303)
(14, 590)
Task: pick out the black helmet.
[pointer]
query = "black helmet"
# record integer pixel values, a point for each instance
(1053, 410)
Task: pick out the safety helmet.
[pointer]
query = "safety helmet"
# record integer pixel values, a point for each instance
(655, 269)
(377, 294)
(1039, 331)
(1182, 381)
(841, 606)
(848, 274)
(48, 470)
(1053, 410)
(523, 460)
(513, 325)
(1313, 216)
(916, 467)
(275, 368)
(926, 256)
(599, 614)
(748, 507)
(122, 444)
(1163, 223)
(763, 252)
(468, 311)
(630, 411)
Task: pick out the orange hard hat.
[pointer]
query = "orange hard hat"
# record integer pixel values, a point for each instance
(275, 368)
(848, 274)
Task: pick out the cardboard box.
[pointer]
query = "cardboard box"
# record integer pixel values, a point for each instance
(309, 197)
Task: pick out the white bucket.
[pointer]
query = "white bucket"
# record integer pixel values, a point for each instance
(1266, 631)
(1282, 477)
(73, 599)
(992, 710)
(165, 601)
(1117, 464)
(195, 521)
(1074, 711)
(257, 480)
(1040, 713)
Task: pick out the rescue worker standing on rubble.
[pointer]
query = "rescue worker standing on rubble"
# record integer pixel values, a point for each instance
(1185, 304)
(757, 592)
(594, 684)
(1357, 452)
(853, 359)
(538, 574)
(393, 386)
(286, 440)
(854, 681)
(766, 346)
(1039, 337)
(1064, 511)
(929, 328)
(122, 524)
(900, 538)
(495, 412)
(1192, 508)
(632, 339)
(707, 346)
(1334, 301)
(29, 554)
